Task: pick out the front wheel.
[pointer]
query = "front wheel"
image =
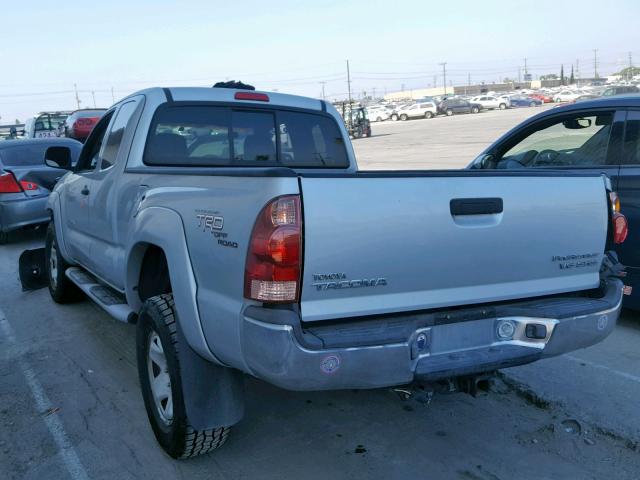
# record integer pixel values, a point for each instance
(449, 112)
(475, 110)
(404, 117)
(379, 119)
(428, 115)
(394, 117)
(161, 384)
(502, 106)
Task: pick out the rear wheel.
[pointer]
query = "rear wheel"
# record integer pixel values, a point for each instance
(502, 106)
(378, 119)
(449, 112)
(159, 372)
(475, 109)
(404, 117)
(428, 115)
(62, 289)
(394, 117)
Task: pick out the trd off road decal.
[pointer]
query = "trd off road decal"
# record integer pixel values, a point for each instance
(213, 222)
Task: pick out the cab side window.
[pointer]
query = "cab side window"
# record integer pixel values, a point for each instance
(91, 150)
(114, 139)
(575, 140)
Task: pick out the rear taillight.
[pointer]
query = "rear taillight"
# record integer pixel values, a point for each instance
(615, 202)
(28, 186)
(9, 184)
(272, 270)
(620, 228)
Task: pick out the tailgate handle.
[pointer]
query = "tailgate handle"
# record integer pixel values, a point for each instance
(475, 206)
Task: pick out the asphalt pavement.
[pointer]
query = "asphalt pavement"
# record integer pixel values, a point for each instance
(70, 405)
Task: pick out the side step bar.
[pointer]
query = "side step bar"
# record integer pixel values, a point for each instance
(111, 301)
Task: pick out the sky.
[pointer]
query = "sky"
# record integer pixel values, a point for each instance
(47, 47)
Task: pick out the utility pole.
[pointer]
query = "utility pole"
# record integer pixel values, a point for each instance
(526, 72)
(374, 92)
(444, 76)
(78, 102)
(577, 68)
(630, 67)
(595, 63)
(323, 95)
(93, 94)
(519, 68)
(349, 82)
(113, 99)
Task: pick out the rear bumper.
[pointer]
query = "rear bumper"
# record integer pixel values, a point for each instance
(279, 353)
(20, 213)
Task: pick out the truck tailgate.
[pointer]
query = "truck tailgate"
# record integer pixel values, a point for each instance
(375, 244)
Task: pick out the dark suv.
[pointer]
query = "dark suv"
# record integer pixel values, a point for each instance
(620, 90)
(450, 106)
(600, 137)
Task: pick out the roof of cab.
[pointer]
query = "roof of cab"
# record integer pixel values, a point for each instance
(204, 94)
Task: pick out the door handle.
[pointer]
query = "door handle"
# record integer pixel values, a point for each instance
(475, 206)
(84, 191)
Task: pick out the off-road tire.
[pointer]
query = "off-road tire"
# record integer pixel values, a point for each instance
(177, 437)
(62, 289)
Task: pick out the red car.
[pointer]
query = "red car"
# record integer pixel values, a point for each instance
(542, 97)
(79, 124)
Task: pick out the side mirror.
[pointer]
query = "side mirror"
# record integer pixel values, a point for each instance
(58, 157)
(484, 162)
(577, 123)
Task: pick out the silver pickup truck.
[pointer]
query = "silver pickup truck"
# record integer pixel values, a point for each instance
(234, 227)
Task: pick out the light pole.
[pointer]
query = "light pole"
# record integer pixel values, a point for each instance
(444, 75)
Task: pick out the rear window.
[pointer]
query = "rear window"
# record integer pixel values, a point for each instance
(49, 121)
(205, 135)
(21, 155)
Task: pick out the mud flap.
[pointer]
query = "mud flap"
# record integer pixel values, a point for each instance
(32, 268)
(213, 395)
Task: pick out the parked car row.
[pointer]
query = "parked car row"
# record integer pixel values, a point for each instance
(429, 107)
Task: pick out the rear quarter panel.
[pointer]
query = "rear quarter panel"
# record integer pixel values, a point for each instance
(217, 255)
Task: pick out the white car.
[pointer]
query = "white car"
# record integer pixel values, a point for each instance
(417, 110)
(490, 102)
(378, 114)
(566, 96)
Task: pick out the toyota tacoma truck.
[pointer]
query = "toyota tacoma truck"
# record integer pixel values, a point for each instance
(234, 228)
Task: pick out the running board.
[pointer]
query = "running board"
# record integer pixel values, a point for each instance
(111, 301)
